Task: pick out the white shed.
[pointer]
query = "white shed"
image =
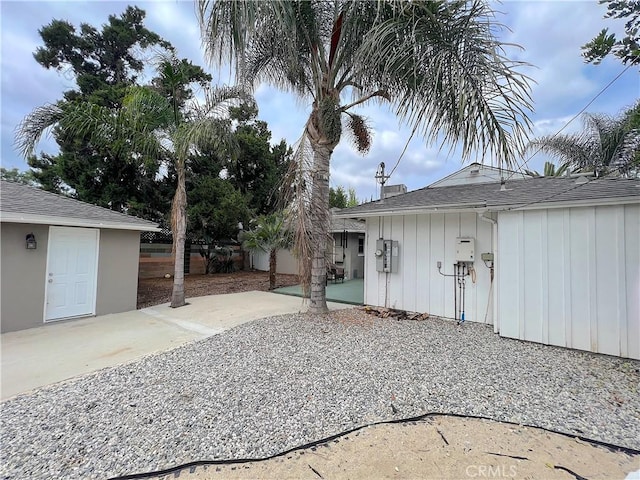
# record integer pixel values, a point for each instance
(565, 252)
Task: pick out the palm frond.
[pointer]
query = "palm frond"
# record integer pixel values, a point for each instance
(445, 72)
(575, 150)
(296, 197)
(607, 144)
(30, 130)
(204, 132)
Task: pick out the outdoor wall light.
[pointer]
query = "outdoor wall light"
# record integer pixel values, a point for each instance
(31, 242)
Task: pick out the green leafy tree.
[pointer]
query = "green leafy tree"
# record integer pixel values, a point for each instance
(99, 60)
(270, 235)
(606, 144)
(15, 175)
(352, 201)
(258, 168)
(215, 209)
(152, 125)
(627, 48)
(104, 63)
(438, 64)
(337, 197)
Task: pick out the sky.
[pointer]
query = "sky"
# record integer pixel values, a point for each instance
(549, 32)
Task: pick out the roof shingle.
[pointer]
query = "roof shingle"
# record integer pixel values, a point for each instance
(22, 200)
(530, 192)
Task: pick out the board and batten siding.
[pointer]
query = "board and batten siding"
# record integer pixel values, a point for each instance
(423, 240)
(571, 277)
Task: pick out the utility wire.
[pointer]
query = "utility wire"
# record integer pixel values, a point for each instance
(521, 167)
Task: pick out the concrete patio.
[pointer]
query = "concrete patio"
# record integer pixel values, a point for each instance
(58, 351)
(349, 291)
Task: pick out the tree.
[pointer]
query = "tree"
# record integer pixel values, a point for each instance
(15, 175)
(258, 168)
(99, 60)
(606, 145)
(627, 48)
(104, 63)
(438, 64)
(269, 235)
(215, 209)
(352, 201)
(550, 170)
(337, 197)
(153, 126)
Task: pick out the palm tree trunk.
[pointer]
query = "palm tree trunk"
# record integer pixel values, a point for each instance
(272, 268)
(320, 225)
(179, 226)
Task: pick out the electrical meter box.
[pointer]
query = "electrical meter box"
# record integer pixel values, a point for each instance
(386, 256)
(465, 249)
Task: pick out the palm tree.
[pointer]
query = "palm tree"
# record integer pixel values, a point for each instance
(606, 144)
(437, 63)
(270, 235)
(155, 127)
(550, 170)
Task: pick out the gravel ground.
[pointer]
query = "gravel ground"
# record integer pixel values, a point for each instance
(274, 384)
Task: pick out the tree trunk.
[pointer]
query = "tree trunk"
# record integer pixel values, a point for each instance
(320, 225)
(272, 268)
(179, 227)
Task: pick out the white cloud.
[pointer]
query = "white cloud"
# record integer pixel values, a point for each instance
(551, 32)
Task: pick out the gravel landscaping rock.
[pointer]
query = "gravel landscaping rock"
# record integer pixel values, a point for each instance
(278, 383)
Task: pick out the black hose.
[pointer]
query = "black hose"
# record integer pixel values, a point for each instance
(198, 463)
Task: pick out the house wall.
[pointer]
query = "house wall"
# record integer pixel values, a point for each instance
(571, 277)
(347, 256)
(118, 255)
(22, 276)
(285, 262)
(288, 264)
(423, 240)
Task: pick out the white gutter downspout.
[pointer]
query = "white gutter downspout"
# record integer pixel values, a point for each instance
(494, 247)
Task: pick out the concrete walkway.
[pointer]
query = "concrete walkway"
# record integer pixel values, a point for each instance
(58, 351)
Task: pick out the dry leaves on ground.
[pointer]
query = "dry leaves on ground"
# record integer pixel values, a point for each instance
(154, 291)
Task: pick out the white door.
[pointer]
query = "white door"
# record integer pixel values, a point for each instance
(72, 265)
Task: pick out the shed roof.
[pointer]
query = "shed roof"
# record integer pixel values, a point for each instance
(347, 224)
(529, 193)
(25, 204)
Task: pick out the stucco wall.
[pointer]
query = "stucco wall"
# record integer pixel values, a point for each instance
(22, 276)
(119, 251)
(285, 262)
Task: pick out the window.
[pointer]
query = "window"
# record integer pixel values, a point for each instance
(361, 245)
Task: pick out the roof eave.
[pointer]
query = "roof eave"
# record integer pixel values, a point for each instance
(348, 230)
(568, 204)
(8, 217)
(417, 210)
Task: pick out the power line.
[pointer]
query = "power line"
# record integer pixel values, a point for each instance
(521, 167)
